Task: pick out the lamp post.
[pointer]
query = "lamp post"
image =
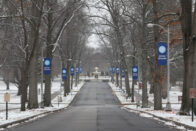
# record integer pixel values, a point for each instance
(42, 75)
(150, 25)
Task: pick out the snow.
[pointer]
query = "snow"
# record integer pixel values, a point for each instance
(93, 78)
(16, 114)
(151, 113)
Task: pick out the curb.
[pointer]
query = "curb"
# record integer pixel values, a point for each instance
(41, 114)
(113, 92)
(163, 119)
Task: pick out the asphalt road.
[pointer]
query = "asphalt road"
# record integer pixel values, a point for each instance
(94, 109)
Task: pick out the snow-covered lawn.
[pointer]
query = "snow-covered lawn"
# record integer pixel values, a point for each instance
(15, 115)
(15, 100)
(149, 112)
(13, 96)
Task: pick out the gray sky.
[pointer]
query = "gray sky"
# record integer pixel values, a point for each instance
(93, 40)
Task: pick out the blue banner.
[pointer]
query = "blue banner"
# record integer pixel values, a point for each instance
(77, 70)
(113, 70)
(80, 70)
(135, 72)
(117, 71)
(47, 66)
(64, 74)
(162, 54)
(123, 73)
(72, 71)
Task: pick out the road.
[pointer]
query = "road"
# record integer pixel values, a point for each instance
(94, 109)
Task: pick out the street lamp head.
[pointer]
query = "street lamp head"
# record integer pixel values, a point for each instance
(150, 25)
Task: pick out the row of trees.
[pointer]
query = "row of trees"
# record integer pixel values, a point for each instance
(128, 41)
(56, 29)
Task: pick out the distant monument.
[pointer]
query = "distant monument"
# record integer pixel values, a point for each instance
(96, 74)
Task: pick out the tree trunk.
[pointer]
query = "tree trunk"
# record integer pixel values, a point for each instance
(117, 81)
(24, 89)
(7, 84)
(144, 83)
(19, 90)
(194, 53)
(47, 92)
(157, 69)
(133, 81)
(36, 13)
(186, 22)
(144, 61)
(67, 83)
(164, 88)
(33, 98)
(122, 57)
(72, 79)
(120, 75)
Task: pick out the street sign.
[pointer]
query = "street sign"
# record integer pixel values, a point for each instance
(77, 70)
(135, 72)
(47, 66)
(192, 92)
(162, 54)
(117, 71)
(123, 73)
(72, 71)
(64, 74)
(7, 97)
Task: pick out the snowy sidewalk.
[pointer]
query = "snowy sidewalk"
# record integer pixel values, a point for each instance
(16, 116)
(168, 118)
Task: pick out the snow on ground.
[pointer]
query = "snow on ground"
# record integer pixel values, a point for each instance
(120, 94)
(92, 78)
(13, 96)
(15, 100)
(149, 112)
(16, 114)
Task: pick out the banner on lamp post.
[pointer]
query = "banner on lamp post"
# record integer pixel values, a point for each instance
(64, 74)
(162, 54)
(72, 71)
(123, 73)
(80, 70)
(77, 70)
(113, 70)
(135, 72)
(47, 66)
(117, 71)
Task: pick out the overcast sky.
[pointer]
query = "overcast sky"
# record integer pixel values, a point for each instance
(93, 40)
